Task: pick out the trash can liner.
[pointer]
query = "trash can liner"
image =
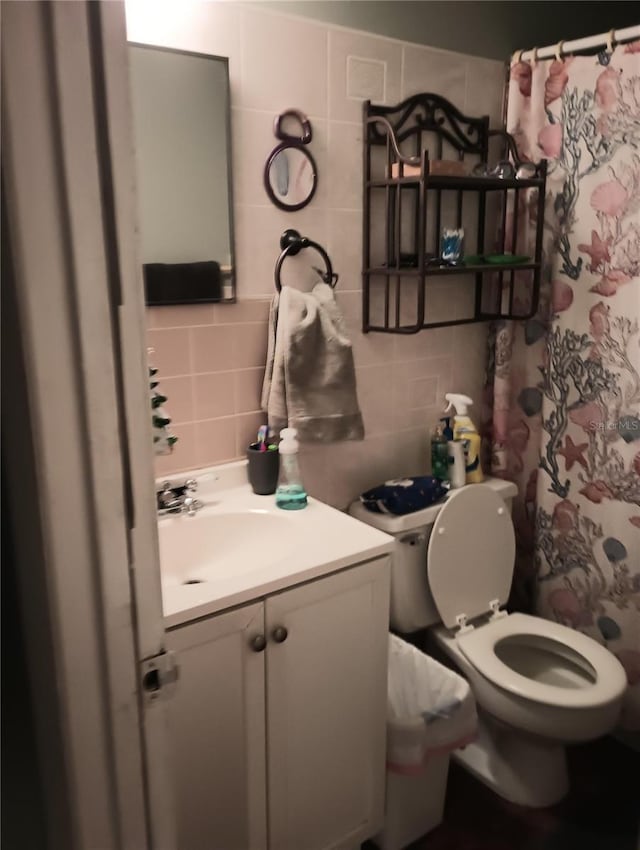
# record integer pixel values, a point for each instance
(431, 709)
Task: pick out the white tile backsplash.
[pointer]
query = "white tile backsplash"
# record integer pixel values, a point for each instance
(258, 231)
(429, 70)
(253, 141)
(371, 349)
(279, 62)
(345, 180)
(345, 248)
(284, 63)
(485, 81)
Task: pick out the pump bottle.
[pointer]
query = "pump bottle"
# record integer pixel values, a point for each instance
(290, 492)
(465, 430)
(439, 454)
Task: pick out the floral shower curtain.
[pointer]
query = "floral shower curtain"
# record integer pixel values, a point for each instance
(564, 388)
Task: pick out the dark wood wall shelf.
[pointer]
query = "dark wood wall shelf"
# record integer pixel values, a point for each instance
(404, 216)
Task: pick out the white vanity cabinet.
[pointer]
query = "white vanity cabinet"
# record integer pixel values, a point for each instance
(217, 732)
(284, 747)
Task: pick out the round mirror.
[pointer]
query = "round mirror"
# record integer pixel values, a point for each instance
(290, 176)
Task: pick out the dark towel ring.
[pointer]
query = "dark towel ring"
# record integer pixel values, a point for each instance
(292, 243)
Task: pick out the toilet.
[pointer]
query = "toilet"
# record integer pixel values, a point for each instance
(539, 685)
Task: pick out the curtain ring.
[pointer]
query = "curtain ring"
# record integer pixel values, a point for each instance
(611, 41)
(517, 57)
(534, 56)
(559, 47)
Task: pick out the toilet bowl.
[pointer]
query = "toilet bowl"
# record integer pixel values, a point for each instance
(537, 689)
(539, 685)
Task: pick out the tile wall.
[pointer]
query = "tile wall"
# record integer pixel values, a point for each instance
(210, 358)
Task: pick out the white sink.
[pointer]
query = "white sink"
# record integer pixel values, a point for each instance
(208, 545)
(240, 546)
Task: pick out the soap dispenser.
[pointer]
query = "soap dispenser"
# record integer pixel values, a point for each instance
(290, 492)
(439, 454)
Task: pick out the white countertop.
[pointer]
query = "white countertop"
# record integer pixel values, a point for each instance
(322, 540)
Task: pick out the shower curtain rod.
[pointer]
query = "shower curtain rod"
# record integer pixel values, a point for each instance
(566, 47)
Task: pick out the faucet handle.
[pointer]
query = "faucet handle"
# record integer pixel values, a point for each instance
(166, 494)
(190, 506)
(191, 485)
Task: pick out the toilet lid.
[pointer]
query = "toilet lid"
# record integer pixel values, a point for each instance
(471, 554)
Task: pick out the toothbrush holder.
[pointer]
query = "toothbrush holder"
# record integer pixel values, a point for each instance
(263, 469)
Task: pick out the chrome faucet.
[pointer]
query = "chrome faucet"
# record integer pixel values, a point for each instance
(178, 499)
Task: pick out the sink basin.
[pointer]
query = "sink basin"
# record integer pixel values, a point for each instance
(240, 546)
(206, 547)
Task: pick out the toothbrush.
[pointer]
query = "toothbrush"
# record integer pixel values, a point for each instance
(262, 437)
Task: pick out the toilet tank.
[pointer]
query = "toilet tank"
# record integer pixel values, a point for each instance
(412, 606)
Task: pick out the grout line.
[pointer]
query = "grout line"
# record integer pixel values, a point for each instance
(235, 396)
(328, 80)
(191, 345)
(219, 372)
(348, 123)
(197, 465)
(320, 208)
(241, 49)
(196, 325)
(227, 416)
(192, 393)
(367, 34)
(270, 112)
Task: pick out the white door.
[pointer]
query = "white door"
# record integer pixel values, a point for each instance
(326, 709)
(218, 733)
(80, 461)
(108, 27)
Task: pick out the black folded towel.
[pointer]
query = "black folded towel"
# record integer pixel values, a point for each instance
(182, 283)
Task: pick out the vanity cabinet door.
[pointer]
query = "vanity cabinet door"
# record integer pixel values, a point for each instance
(217, 731)
(327, 700)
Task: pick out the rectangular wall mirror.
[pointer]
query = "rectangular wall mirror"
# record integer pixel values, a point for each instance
(182, 130)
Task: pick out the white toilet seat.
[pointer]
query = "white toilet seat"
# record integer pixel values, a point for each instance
(608, 679)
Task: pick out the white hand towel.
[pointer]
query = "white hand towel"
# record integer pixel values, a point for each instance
(309, 381)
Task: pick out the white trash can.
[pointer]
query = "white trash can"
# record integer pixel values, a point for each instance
(431, 712)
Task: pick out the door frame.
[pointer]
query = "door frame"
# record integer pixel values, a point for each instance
(77, 441)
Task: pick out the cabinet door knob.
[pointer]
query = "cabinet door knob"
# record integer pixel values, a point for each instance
(279, 634)
(258, 643)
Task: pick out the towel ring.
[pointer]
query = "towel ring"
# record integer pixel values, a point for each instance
(292, 243)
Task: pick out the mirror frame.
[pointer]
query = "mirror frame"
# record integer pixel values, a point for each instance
(228, 116)
(295, 145)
